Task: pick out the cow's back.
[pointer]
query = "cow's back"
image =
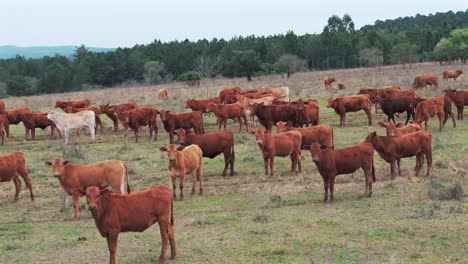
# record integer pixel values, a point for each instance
(349, 159)
(98, 174)
(9, 165)
(287, 142)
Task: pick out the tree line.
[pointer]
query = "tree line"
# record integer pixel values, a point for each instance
(340, 45)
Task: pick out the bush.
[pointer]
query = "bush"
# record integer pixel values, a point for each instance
(191, 78)
(453, 192)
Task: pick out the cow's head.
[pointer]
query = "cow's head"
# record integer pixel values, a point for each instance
(459, 72)
(331, 102)
(371, 137)
(182, 134)
(58, 104)
(51, 115)
(315, 149)
(210, 107)
(171, 150)
(300, 104)
(58, 166)
(164, 114)
(68, 109)
(282, 126)
(259, 135)
(93, 194)
(391, 128)
(341, 86)
(189, 103)
(104, 108)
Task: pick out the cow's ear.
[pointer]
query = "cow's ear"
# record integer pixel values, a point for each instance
(162, 149)
(105, 191)
(399, 125)
(66, 162)
(307, 147)
(189, 131)
(48, 163)
(179, 148)
(382, 124)
(252, 132)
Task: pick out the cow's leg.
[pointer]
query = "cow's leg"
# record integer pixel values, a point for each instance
(112, 245)
(92, 131)
(163, 228)
(231, 160)
(33, 133)
(343, 124)
(429, 162)
(171, 136)
(331, 186)
(194, 181)
(246, 123)
(66, 134)
(174, 188)
(425, 123)
(441, 120)
(369, 116)
(23, 172)
(419, 163)
(227, 160)
(293, 163)
(26, 132)
(135, 131)
(369, 180)
(408, 115)
(220, 123)
(17, 183)
(399, 168)
(299, 160)
(116, 125)
(200, 177)
(452, 116)
(272, 164)
(76, 200)
(181, 186)
(225, 120)
(170, 231)
(265, 162)
(392, 169)
(366, 178)
(325, 187)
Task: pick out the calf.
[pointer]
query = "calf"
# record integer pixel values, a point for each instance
(333, 162)
(280, 92)
(223, 112)
(163, 95)
(173, 121)
(345, 104)
(227, 93)
(66, 122)
(328, 81)
(426, 79)
(201, 105)
(182, 161)
(392, 149)
(431, 107)
(451, 74)
(96, 110)
(391, 106)
(341, 86)
(110, 111)
(75, 178)
(211, 144)
(117, 213)
(323, 134)
(459, 98)
(12, 166)
(74, 104)
(15, 117)
(32, 121)
(281, 145)
(141, 116)
(392, 129)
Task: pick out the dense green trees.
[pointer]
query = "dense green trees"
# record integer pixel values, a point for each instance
(340, 45)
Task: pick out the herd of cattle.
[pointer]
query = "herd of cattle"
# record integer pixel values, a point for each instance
(298, 128)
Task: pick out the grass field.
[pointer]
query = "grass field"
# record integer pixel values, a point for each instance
(250, 218)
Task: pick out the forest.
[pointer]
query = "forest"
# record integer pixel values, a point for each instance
(442, 37)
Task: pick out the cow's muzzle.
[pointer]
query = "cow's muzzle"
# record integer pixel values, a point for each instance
(92, 207)
(259, 142)
(56, 175)
(172, 159)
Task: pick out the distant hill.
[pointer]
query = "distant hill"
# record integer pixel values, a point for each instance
(10, 51)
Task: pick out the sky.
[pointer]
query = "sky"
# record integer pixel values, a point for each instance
(124, 23)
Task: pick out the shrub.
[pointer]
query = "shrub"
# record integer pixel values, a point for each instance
(191, 78)
(453, 192)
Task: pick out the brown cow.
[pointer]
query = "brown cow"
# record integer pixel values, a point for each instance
(345, 104)
(397, 93)
(110, 111)
(75, 178)
(141, 116)
(451, 74)
(333, 162)
(323, 134)
(211, 144)
(281, 145)
(429, 108)
(117, 213)
(2, 106)
(459, 98)
(182, 161)
(74, 104)
(376, 92)
(14, 117)
(188, 120)
(96, 110)
(392, 129)
(422, 81)
(311, 108)
(341, 86)
(328, 81)
(225, 94)
(163, 95)
(12, 166)
(268, 115)
(201, 105)
(32, 121)
(223, 112)
(4, 127)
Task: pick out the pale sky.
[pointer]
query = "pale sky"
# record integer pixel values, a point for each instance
(124, 23)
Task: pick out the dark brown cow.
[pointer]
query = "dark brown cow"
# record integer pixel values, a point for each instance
(117, 213)
(15, 116)
(392, 129)
(422, 81)
(341, 86)
(431, 107)
(201, 105)
(12, 166)
(74, 104)
(333, 162)
(32, 121)
(223, 112)
(173, 121)
(96, 110)
(392, 149)
(323, 134)
(228, 93)
(328, 81)
(459, 98)
(163, 94)
(376, 92)
(75, 178)
(451, 74)
(281, 145)
(268, 115)
(110, 111)
(141, 116)
(311, 108)
(211, 144)
(395, 105)
(345, 104)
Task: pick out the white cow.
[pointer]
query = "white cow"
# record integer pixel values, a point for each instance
(65, 122)
(280, 92)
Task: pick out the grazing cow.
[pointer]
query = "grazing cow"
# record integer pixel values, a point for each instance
(12, 166)
(392, 149)
(280, 92)
(117, 213)
(422, 81)
(376, 92)
(182, 161)
(141, 116)
(228, 93)
(96, 110)
(451, 74)
(281, 145)
(32, 121)
(392, 129)
(110, 111)
(223, 112)
(65, 122)
(341, 86)
(435, 106)
(201, 105)
(163, 95)
(345, 104)
(14, 117)
(323, 134)
(333, 162)
(4, 126)
(211, 144)
(268, 115)
(459, 98)
(448, 111)
(173, 121)
(75, 178)
(393, 105)
(74, 104)
(328, 81)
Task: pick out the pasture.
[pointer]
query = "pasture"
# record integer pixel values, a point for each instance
(250, 218)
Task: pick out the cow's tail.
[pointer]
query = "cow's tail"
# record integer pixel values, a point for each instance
(127, 178)
(172, 211)
(332, 138)
(233, 157)
(373, 168)
(201, 123)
